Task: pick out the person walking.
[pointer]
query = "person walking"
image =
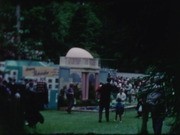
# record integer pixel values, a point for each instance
(105, 98)
(70, 97)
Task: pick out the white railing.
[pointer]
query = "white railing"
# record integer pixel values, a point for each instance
(80, 62)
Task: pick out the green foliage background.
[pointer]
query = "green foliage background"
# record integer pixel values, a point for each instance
(128, 35)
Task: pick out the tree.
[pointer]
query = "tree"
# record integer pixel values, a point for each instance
(126, 35)
(59, 16)
(85, 28)
(7, 31)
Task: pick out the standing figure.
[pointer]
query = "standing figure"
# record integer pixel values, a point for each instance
(5, 107)
(139, 108)
(119, 110)
(154, 103)
(42, 93)
(157, 107)
(70, 97)
(121, 95)
(61, 97)
(105, 98)
(32, 111)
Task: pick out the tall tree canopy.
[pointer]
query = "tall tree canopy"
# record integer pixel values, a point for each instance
(137, 32)
(125, 34)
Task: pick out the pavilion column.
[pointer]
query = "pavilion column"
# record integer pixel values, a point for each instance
(96, 80)
(85, 85)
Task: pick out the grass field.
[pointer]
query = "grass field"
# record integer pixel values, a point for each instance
(57, 122)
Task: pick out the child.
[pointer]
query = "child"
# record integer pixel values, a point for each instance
(139, 108)
(119, 109)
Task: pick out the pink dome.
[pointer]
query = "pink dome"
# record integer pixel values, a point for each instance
(76, 52)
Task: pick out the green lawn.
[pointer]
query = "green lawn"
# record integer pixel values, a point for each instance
(87, 122)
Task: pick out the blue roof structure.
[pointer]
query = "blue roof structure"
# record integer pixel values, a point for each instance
(21, 63)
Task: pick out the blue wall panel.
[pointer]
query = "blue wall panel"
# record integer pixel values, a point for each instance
(64, 73)
(53, 99)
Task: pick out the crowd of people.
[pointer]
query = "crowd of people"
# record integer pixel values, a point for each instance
(149, 92)
(20, 103)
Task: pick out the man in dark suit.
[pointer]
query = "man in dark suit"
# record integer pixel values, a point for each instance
(105, 98)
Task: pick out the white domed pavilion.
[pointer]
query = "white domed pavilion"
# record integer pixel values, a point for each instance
(79, 66)
(78, 53)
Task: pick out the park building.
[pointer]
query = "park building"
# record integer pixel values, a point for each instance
(35, 70)
(78, 66)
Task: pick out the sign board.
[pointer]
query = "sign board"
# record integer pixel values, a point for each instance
(32, 71)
